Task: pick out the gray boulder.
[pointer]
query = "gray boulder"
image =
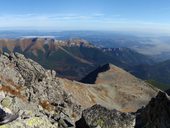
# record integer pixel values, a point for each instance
(101, 117)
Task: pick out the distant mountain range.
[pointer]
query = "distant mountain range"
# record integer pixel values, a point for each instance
(75, 58)
(72, 59)
(40, 99)
(159, 72)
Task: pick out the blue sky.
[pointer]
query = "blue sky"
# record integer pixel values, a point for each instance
(122, 15)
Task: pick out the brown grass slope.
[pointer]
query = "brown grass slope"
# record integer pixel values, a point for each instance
(114, 88)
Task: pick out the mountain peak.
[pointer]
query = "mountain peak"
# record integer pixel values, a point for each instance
(79, 42)
(106, 74)
(91, 77)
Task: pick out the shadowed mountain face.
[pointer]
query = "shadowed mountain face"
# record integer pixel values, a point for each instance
(72, 59)
(91, 78)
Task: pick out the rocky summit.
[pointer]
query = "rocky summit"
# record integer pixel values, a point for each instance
(42, 100)
(35, 94)
(155, 115)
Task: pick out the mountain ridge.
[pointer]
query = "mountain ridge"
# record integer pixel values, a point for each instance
(72, 59)
(38, 96)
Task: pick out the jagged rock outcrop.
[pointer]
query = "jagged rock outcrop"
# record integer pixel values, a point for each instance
(35, 94)
(156, 114)
(168, 91)
(100, 117)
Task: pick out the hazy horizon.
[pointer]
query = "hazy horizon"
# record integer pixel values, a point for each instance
(111, 15)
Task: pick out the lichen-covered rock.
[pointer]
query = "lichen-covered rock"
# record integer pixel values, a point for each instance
(6, 102)
(34, 122)
(98, 116)
(35, 94)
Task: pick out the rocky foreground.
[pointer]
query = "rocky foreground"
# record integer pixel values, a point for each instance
(155, 115)
(41, 100)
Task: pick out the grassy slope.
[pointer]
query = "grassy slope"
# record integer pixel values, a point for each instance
(158, 84)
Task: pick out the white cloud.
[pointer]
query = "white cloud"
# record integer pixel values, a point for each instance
(94, 21)
(8, 19)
